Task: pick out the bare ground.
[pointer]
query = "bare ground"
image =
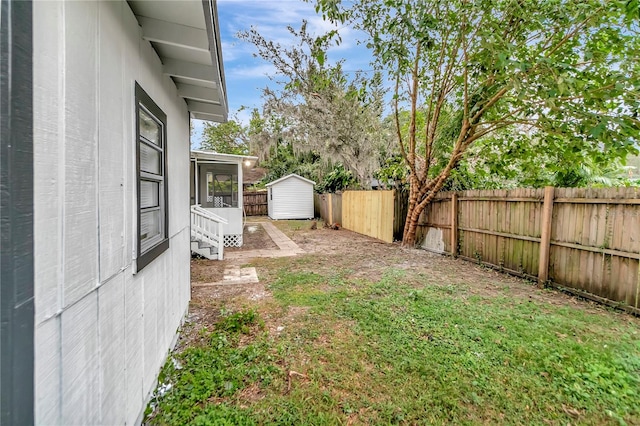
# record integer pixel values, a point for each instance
(357, 257)
(209, 271)
(255, 238)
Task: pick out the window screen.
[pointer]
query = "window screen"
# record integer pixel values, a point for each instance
(152, 179)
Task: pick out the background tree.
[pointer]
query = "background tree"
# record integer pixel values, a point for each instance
(565, 72)
(230, 137)
(318, 109)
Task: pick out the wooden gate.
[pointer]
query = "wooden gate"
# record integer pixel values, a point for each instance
(255, 203)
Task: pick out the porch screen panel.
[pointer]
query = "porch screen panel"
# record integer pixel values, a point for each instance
(220, 185)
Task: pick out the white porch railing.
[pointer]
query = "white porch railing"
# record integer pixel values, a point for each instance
(207, 227)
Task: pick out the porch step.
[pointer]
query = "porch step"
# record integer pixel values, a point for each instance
(204, 249)
(207, 237)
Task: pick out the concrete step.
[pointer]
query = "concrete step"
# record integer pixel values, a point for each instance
(204, 250)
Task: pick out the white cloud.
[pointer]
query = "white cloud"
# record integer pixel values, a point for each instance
(234, 50)
(272, 18)
(261, 70)
(245, 74)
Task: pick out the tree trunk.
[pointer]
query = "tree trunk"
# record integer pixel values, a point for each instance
(413, 202)
(411, 224)
(419, 199)
(422, 193)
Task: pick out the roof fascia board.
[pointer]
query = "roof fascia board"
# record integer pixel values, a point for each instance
(215, 47)
(292, 175)
(218, 155)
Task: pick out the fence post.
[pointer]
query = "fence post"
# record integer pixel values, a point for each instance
(545, 236)
(454, 224)
(330, 206)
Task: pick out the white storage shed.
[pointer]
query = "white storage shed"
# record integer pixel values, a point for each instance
(290, 197)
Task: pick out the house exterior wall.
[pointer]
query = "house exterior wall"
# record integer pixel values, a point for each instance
(234, 217)
(102, 331)
(292, 198)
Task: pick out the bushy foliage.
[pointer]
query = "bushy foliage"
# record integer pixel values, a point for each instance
(229, 137)
(317, 108)
(338, 179)
(563, 75)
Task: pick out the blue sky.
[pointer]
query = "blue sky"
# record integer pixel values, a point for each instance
(245, 74)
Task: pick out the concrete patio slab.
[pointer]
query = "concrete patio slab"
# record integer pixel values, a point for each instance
(278, 237)
(286, 247)
(234, 275)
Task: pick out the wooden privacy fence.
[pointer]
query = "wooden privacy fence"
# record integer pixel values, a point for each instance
(369, 213)
(328, 207)
(585, 240)
(255, 203)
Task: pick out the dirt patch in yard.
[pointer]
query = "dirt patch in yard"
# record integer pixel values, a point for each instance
(369, 258)
(254, 238)
(206, 271)
(357, 256)
(211, 271)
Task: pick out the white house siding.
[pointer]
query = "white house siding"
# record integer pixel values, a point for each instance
(234, 217)
(292, 198)
(102, 332)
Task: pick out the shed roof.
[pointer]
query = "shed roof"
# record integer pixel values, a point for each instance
(186, 36)
(292, 175)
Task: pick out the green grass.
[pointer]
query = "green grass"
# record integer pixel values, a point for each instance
(403, 350)
(292, 226)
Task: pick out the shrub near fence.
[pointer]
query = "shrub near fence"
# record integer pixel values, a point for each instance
(585, 240)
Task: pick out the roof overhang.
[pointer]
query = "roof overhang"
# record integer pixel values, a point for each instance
(186, 36)
(222, 158)
(292, 175)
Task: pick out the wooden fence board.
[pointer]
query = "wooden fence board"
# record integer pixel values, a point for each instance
(255, 203)
(594, 238)
(401, 205)
(336, 208)
(369, 213)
